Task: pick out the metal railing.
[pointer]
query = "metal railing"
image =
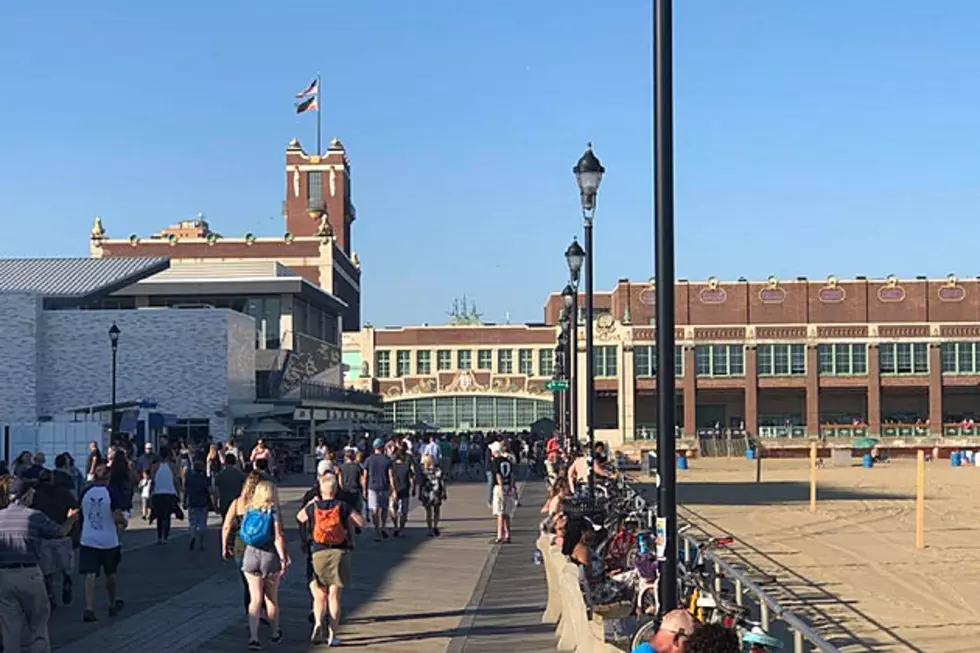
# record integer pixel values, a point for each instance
(741, 584)
(311, 391)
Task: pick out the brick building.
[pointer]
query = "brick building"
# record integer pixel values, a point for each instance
(316, 243)
(784, 359)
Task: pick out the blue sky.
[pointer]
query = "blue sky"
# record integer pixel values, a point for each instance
(837, 137)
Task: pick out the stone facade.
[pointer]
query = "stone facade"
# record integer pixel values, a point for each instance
(194, 363)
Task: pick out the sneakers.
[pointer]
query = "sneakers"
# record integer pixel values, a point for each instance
(317, 636)
(66, 591)
(255, 645)
(436, 531)
(89, 616)
(331, 638)
(116, 608)
(277, 638)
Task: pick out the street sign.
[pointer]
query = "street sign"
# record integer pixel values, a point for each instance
(558, 385)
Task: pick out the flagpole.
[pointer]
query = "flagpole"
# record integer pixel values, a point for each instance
(319, 151)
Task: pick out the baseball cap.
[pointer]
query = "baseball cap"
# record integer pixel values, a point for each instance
(378, 443)
(324, 467)
(678, 622)
(495, 448)
(19, 488)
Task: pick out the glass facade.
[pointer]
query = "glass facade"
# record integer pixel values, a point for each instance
(469, 412)
(961, 358)
(904, 358)
(720, 360)
(843, 359)
(781, 360)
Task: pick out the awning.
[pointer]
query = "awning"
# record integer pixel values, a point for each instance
(268, 426)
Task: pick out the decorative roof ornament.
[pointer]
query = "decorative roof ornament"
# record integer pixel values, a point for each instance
(98, 231)
(335, 144)
(172, 240)
(355, 260)
(249, 238)
(289, 238)
(134, 240)
(213, 239)
(294, 145)
(628, 311)
(324, 230)
(952, 291)
(464, 314)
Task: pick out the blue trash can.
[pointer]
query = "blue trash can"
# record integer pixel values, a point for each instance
(868, 462)
(750, 453)
(956, 459)
(682, 463)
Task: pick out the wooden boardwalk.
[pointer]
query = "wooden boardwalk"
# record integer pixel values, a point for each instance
(457, 592)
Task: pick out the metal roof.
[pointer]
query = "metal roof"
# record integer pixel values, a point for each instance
(75, 278)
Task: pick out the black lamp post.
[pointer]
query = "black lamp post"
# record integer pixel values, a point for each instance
(560, 372)
(114, 342)
(588, 173)
(561, 354)
(664, 246)
(575, 257)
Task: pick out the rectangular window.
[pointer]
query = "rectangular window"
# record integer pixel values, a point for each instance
(720, 360)
(903, 358)
(605, 361)
(403, 363)
(464, 359)
(546, 362)
(960, 358)
(781, 360)
(843, 359)
(505, 361)
(645, 361)
(314, 189)
(444, 360)
(525, 361)
(484, 359)
(423, 362)
(382, 364)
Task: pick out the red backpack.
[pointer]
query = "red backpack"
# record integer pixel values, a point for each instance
(328, 525)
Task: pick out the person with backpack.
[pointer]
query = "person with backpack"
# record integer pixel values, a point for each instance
(432, 493)
(331, 524)
(264, 559)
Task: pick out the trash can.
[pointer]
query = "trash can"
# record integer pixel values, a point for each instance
(956, 459)
(750, 453)
(651, 463)
(682, 463)
(867, 462)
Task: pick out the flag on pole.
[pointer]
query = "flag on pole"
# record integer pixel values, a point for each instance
(311, 90)
(306, 105)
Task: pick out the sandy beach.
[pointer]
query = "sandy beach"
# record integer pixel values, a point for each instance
(852, 568)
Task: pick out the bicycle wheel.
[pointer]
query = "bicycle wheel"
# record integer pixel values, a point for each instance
(643, 633)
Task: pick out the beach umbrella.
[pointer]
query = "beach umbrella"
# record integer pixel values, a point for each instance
(865, 443)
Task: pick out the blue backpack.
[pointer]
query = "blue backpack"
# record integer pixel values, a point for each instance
(257, 528)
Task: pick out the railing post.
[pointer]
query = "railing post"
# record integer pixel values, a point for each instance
(717, 577)
(797, 642)
(739, 593)
(765, 614)
(687, 550)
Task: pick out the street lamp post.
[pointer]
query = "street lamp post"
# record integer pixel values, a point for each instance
(114, 343)
(664, 247)
(588, 173)
(574, 257)
(561, 374)
(569, 328)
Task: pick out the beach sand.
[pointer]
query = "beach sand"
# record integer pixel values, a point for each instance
(852, 568)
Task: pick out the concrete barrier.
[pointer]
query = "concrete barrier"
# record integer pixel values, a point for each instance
(566, 604)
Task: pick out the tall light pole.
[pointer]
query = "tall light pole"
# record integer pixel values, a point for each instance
(588, 173)
(114, 343)
(569, 299)
(664, 245)
(574, 257)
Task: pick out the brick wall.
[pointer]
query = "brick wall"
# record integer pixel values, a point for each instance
(19, 316)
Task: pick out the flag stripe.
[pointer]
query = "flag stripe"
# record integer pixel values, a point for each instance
(307, 105)
(312, 89)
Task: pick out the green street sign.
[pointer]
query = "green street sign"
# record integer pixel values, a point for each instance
(558, 385)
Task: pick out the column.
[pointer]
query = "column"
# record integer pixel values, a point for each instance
(812, 391)
(935, 391)
(627, 395)
(690, 392)
(874, 391)
(751, 411)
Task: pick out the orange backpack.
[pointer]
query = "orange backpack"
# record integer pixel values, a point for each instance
(328, 525)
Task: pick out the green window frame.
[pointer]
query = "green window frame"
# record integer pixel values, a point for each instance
(719, 360)
(546, 362)
(382, 364)
(423, 362)
(484, 359)
(525, 361)
(505, 361)
(645, 361)
(781, 360)
(843, 359)
(444, 360)
(960, 358)
(403, 363)
(903, 358)
(605, 361)
(464, 359)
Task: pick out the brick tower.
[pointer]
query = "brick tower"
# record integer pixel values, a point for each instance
(318, 186)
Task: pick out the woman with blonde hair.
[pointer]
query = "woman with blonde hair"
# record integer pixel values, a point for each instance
(264, 557)
(432, 493)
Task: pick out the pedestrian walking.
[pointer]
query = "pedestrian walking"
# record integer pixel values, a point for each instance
(404, 488)
(331, 524)
(432, 493)
(502, 468)
(351, 479)
(228, 483)
(232, 546)
(57, 556)
(164, 500)
(197, 502)
(264, 560)
(379, 479)
(95, 458)
(100, 552)
(24, 606)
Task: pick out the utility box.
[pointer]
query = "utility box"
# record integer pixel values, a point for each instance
(840, 457)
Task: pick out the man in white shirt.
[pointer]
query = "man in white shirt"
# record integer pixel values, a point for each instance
(432, 448)
(102, 518)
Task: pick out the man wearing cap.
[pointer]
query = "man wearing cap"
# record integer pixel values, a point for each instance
(379, 479)
(674, 630)
(146, 461)
(24, 606)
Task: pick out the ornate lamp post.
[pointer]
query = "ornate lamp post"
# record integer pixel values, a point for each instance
(114, 343)
(561, 355)
(588, 174)
(569, 297)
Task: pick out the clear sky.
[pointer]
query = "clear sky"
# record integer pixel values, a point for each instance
(813, 138)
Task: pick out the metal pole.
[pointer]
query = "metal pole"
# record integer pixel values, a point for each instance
(569, 376)
(573, 370)
(664, 246)
(589, 357)
(112, 421)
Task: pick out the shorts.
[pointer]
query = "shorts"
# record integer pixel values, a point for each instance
(197, 518)
(259, 562)
(56, 556)
(94, 561)
(378, 499)
(503, 504)
(401, 506)
(331, 567)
